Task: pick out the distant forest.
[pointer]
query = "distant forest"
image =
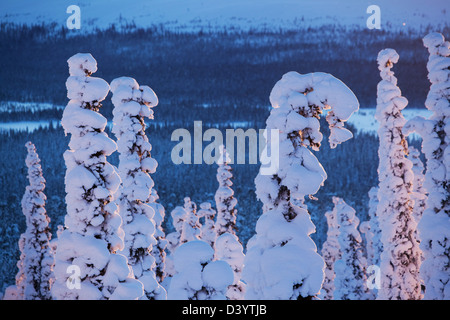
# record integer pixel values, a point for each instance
(223, 69)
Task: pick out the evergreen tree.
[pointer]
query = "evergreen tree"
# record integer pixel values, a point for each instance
(400, 259)
(35, 276)
(208, 231)
(434, 227)
(282, 260)
(191, 224)
(225, 201)
(228, 248)
(350, 281)
(132, 104)
(419, 193)
(374, 245)
(88, 266)
(159, 250)
(330, 253)
(178, 215)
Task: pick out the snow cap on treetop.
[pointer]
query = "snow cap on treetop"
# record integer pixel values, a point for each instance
(205, 205)
(386, 58)
(82, 64)
(433, 40)
(126, 89)
(321, 89)
(125, 82)
(193, 252)
(178, 215)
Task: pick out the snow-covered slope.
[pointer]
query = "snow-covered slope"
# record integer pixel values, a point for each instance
(240, 14)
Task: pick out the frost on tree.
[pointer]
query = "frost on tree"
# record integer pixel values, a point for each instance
(330, 253)
(400, 259)
(225, 202)
(350, 281)
(282, 260)
(434, 227)
(208, 231)
(419, 195)
(228, 248)
(197, 276)
(35, 276)
(132, 104)
(191, 225)
(87, 264)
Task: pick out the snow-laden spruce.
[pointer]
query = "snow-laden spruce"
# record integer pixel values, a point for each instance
(158, 250)
(372, 231)
(372, 234)
(224, 197)
(178, 215)
(419, 195)
(35, 276)
(434, 227)
(330, 253)
(191, 228)
(350, 268)
(208, 230)
(132, 104)
(282, 260)
(400, 259)
(228, 248)
(87, 264)
(197, 276)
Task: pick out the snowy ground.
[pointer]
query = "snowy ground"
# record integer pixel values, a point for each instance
(240, 14)
(363, 120)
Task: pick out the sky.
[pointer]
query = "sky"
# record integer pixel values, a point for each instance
(243, 14)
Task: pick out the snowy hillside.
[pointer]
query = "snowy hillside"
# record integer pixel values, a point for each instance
(240, 14)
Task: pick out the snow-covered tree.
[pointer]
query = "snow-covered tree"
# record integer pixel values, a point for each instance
(208, 231)
(365, 228)
(191, 226)
(87, 264)
(35, 276)
(224, 197)
(372, 234)
(228, 248)
(419, 195)
(400, 259)
(350, 281)
(372, 231)
(159, 250)
(178, 215)
(197, 276)
(132, 104)
(330, 253)
(434, 227)
(282, 260)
